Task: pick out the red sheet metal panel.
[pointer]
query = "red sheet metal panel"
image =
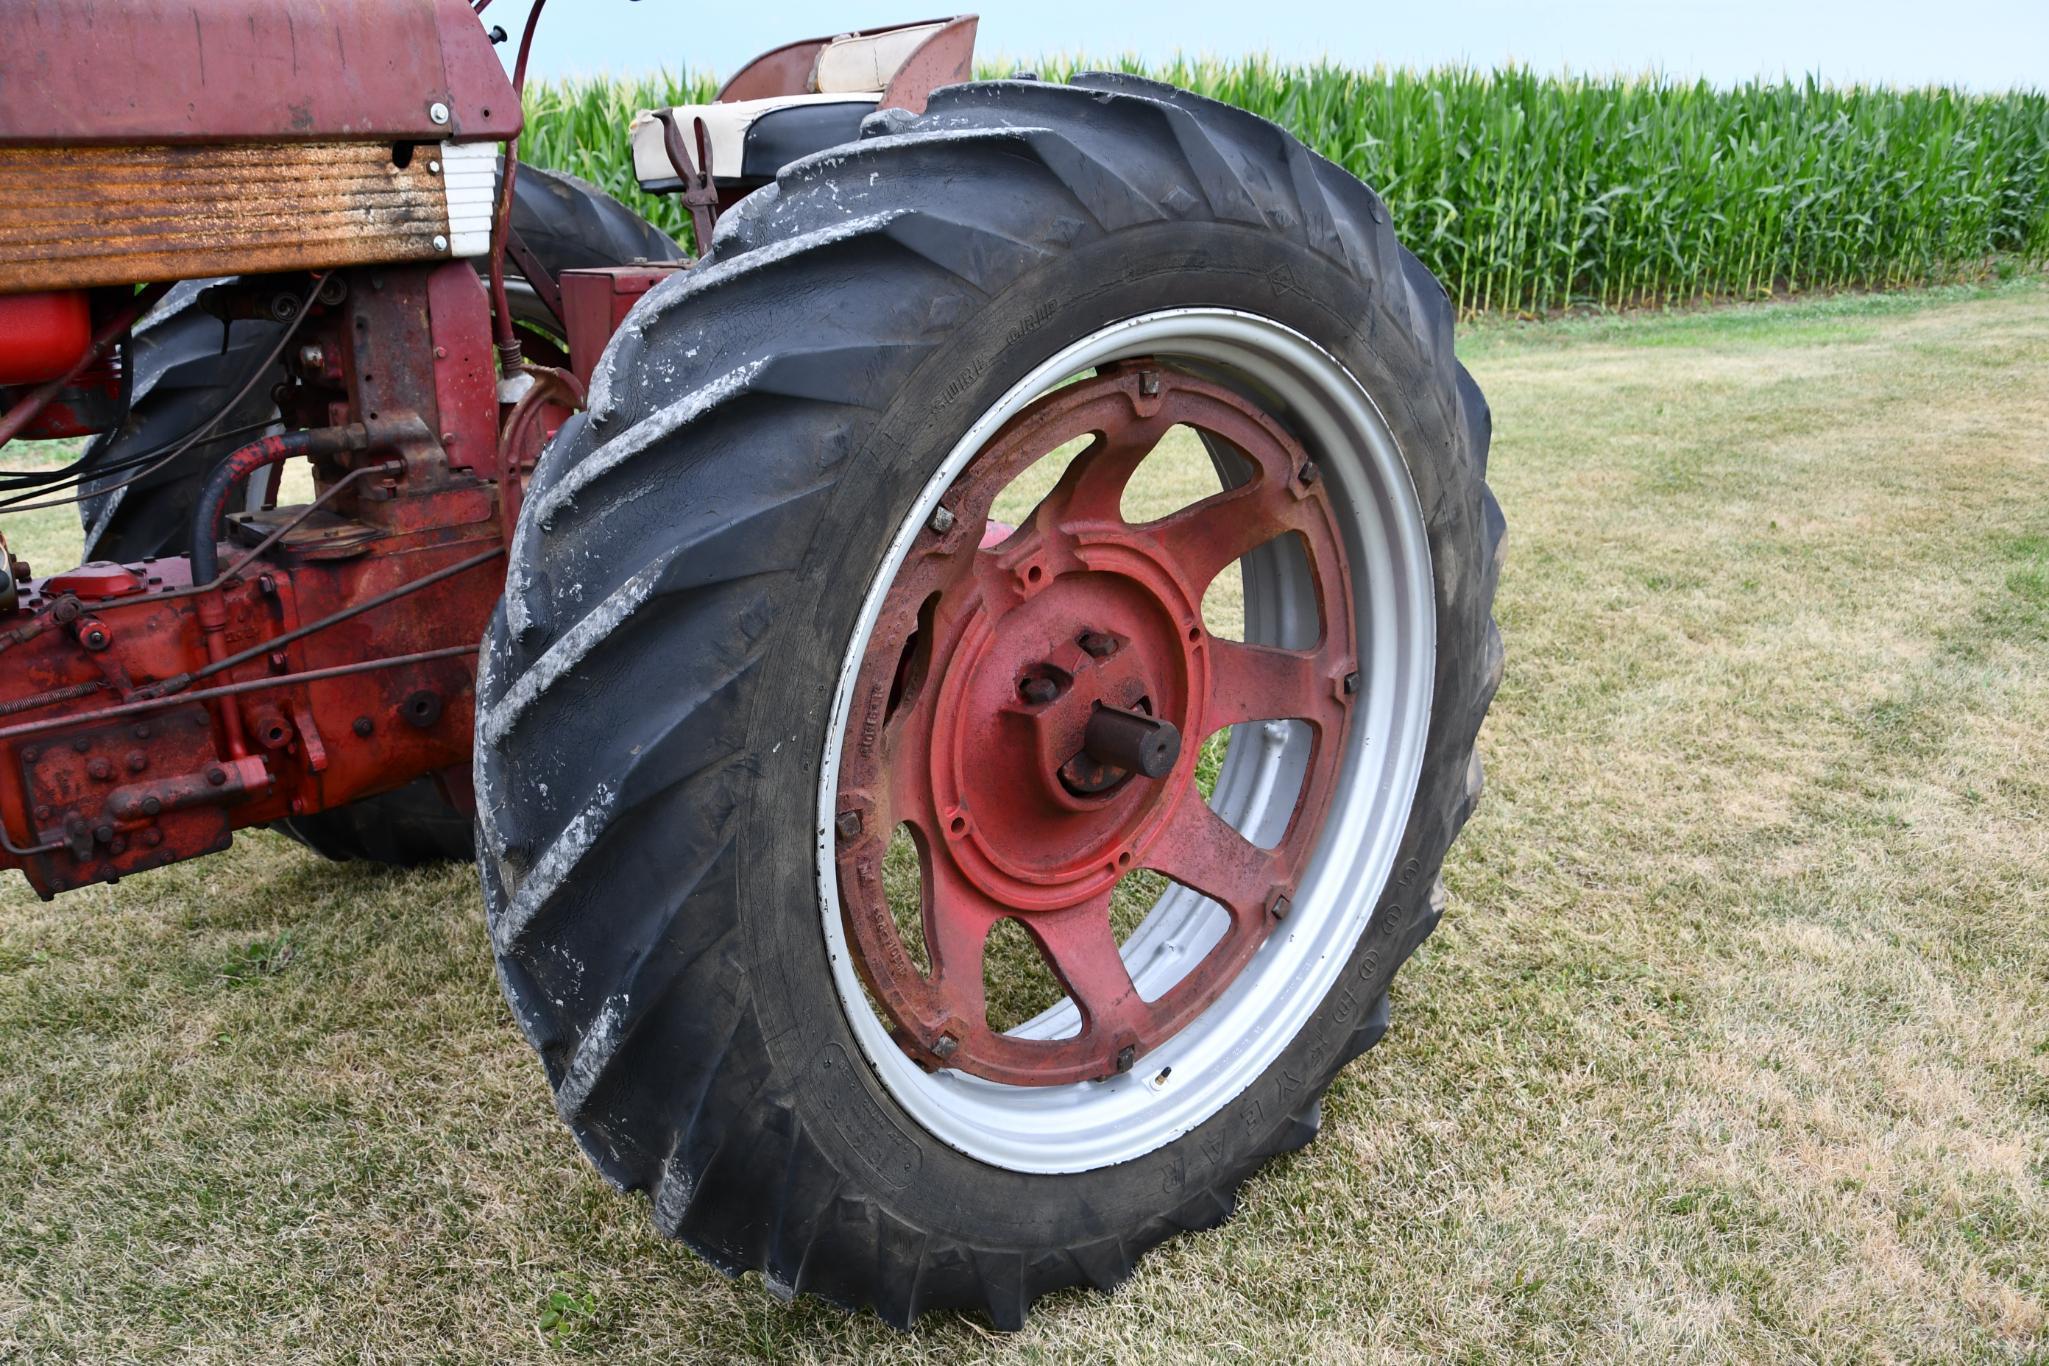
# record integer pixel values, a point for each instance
(184, 71)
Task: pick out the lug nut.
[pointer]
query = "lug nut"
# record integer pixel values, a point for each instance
(945, 1046)
(1149, 382)
(1038, 691)
(1308, 474)
(1280, 907)
(152, 837)
(1097, 645)
(1351, 684)
(942, 520)
(848, 824)
(1125, 1057)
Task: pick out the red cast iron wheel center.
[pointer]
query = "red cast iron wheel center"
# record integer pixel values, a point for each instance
(1031, 706)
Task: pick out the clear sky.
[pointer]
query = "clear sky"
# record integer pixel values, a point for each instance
(1982, 44)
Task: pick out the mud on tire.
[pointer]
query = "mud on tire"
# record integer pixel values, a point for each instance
(655, 692)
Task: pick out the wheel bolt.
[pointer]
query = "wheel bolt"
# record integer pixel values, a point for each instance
(1125, 1057)
(1308, 474)
(945, 1046)
(848, 824)
(1351, 684)
(1280, 908)
(1097, 645)
(1039, 691)
(942, 520)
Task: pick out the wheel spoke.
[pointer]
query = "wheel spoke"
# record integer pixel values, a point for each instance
(1264, 683)
(1091, 489)
(1200, 849)
(1202, 539)
(958, 918)
(1081, 949)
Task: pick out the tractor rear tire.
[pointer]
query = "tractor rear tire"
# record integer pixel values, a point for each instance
(665, 688)
(187, 363)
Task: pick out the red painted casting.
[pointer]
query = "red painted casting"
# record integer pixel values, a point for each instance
(986, 667)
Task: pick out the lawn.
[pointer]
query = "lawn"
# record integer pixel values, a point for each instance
(1733, 1044)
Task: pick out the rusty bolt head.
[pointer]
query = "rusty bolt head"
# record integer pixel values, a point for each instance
(1308, 474)
(151, 806)
(1038, 691)
(848, 824)
(1149, 382)
(441, 353)
(945, 1046)
(141, 732)
(1097, 645)
(1280, 907)
(81, 745)
(1125, 1057)
(216, 776)
(266, 584)
(941, 521)
(30, 754)
(100, 768)
(66, 610)
(104, 834)
(120, 844)
(42, 813)
(152, 837)
(137, 761)
(362, 726)
(1351, 684)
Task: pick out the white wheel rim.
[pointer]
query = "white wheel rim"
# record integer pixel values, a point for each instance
(1212, 1060)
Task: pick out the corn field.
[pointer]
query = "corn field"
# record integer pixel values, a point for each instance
(1529, 194)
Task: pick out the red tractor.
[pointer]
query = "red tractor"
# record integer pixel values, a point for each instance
(713, 606)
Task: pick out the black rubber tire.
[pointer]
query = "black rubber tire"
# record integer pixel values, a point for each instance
(187, 363)
(655, 687)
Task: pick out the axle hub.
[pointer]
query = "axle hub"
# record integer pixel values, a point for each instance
(1023, 710)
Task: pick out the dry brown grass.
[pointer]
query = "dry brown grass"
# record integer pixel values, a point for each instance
(1735, 1043)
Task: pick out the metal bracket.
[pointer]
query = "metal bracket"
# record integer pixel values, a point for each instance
(698, 191)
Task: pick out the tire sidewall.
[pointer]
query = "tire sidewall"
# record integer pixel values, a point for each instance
(817, 1060)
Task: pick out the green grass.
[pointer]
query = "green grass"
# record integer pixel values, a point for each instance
(1734, 1043)
(1529, 193)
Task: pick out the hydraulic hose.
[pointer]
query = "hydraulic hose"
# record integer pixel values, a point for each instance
(269, 450)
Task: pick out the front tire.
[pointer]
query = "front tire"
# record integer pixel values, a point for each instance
(663, 696)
